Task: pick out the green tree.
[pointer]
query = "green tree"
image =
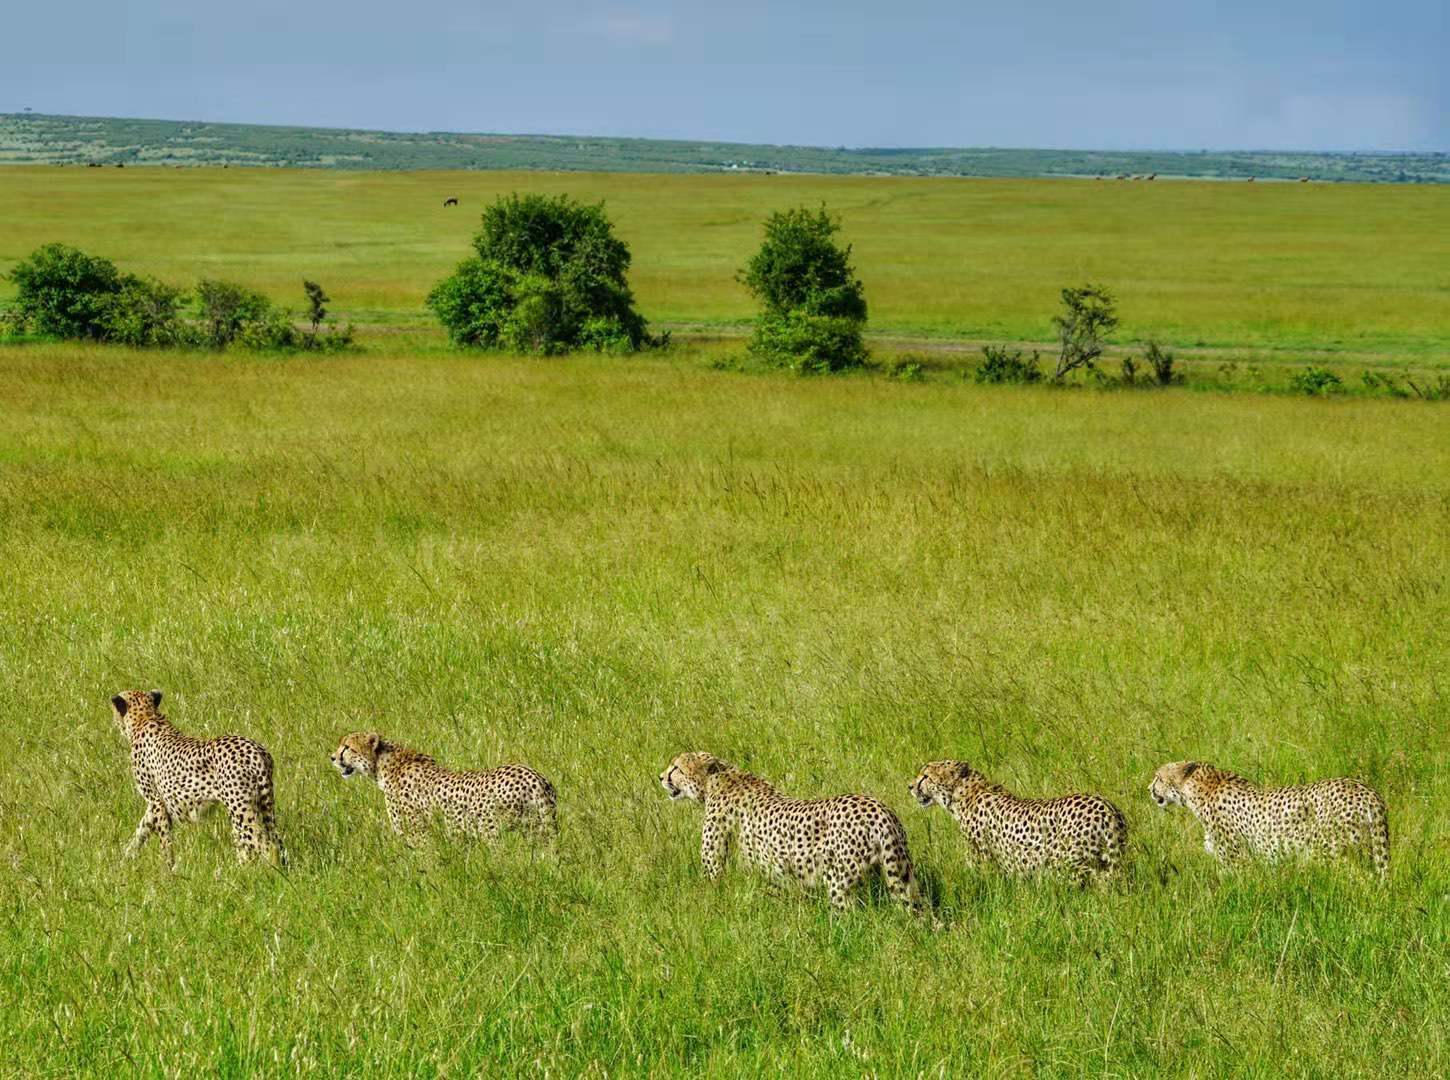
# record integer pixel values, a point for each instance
(549, 276)
(1088, 315)
(63, 291)
(812, 305)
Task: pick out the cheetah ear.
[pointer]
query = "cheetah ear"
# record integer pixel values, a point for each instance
(156, 699)
(714, 765)
(374, 741)
(1189, 768)
(962, 771)
(121, 705)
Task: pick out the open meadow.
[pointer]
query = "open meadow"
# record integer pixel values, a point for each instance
(591, 564)
(1280, 270)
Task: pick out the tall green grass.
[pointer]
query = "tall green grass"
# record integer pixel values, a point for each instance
(592, 564)
(1268, 266)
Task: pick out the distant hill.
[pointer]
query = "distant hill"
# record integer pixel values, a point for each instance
(30, 138)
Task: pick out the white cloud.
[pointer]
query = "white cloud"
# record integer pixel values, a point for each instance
(633, 28)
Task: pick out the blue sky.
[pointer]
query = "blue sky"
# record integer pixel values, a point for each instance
(1117, 74)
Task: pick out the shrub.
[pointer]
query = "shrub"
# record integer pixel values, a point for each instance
(1388, 383)
(63, 291)
(146, 313)
(228, 310)
(1003, 365)
(1162, 361)
(908, 367)
(549, 277)
(1130, 370)
(1436, 388)
(1088, 315)
(812, 305)
(1316, 381)
(808, 344)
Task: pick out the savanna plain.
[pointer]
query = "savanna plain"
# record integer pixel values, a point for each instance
(593, 563)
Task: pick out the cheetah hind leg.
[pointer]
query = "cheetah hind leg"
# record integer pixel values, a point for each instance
(246, 831)
(901, 880)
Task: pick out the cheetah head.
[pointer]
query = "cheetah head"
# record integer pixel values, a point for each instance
(131, 707)
(685, 778)
(939, 779)
(358, 752)
(1167, 785)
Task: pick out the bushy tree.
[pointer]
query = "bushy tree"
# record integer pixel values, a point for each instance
(549, 276)
(227, 310)
(146, 313)
(812, 305)
(63, 291)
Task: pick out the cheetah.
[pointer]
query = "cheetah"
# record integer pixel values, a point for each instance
(179, 776)
(482, 803)
(1083, 836)
(1242, 820)
(836, 841)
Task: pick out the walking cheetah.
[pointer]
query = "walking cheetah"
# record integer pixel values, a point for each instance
(1083, 836)
(180, 776)
(836, 841)
(1241, 820)
(482, 803)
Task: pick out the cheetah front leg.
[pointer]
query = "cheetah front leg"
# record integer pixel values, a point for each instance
(156, 820)
(714, 846)
(408, 821)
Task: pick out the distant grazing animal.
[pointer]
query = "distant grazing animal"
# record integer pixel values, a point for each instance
(1250, 180)
(1303, 179)
(480, 803)
(1152, 176)
(836, 841)
(1082, 836)
(1122, 176)
(1242, 820)
(450, 202)
(178, 775)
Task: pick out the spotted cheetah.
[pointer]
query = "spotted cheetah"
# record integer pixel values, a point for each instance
(1083, 836)
(179, 776)
(481, 803)
(1242, 820)
(835, 841)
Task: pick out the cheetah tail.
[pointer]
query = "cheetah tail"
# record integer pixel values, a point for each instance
(267, 811)
(1379, 843)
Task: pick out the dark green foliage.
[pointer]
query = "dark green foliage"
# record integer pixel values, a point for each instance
(64, 292)
(549, 277)
(1162, 361)
(1003, 365)
(227, 311)
(1088, 315)
(813, 307)
(146, 313)
(316, 298)
(1316, 382)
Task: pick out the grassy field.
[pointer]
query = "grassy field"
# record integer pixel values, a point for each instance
(1279, 268)
(593, 564)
